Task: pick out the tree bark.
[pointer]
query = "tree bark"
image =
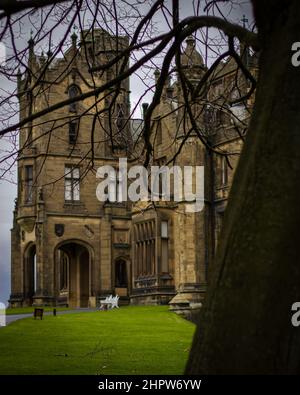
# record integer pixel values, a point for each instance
(245, 324)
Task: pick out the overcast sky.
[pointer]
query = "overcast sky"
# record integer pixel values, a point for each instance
(8, 191)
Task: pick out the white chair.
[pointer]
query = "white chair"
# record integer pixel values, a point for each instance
(114, 302)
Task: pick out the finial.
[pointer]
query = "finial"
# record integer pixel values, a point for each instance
(31, 41)
(19, 77)
(190, 41)
(244, 20)
(42, 57)
(145, 108)
(156, 74)
(74, 36)
(49, 52)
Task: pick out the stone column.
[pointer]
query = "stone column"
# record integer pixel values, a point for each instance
(106, 251)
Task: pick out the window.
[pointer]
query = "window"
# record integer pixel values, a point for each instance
(73, 128)
(145, 248)
(164, 229)
(223, 117)
(28, 183)
(91, 53)
(29, 136)
(72, 180)
(164, 247)
(120, 117)
(224, 171)
(208, 115)
(120, 274)
(217, 87)
(218, 117)
(73, 92)
(159, 132)
(160, 179)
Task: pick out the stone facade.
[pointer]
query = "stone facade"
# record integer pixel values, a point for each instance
(68, 248)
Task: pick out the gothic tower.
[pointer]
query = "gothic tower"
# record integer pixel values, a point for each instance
(67, 247)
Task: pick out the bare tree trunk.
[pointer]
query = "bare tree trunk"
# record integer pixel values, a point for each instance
(245, 325)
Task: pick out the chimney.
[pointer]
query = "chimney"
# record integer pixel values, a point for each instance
(145, 107)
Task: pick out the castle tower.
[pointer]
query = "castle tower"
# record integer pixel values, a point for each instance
(67, 247)
(176, 273)
(192, 243)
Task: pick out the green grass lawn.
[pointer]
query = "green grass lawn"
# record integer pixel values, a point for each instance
(26, 310)
(129, 340)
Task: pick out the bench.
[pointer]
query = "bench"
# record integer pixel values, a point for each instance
(38, 312)
(109, 303)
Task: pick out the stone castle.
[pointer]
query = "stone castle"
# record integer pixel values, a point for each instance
(68, 248)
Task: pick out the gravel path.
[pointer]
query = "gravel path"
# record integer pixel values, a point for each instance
(15, 317)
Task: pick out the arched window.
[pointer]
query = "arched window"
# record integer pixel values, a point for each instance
(30, 271)
(73, 92)
(28, 184)
(121, 274)
(120, 117)
(159, 132)
(224, 171)
(145, 248)
(73, 131)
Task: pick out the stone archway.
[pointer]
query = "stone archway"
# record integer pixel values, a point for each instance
(73, 262)
(84, 274)
(30, 273)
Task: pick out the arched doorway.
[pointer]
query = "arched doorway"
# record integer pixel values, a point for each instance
(73, 262)
(30, 277)
(121, 277)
